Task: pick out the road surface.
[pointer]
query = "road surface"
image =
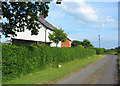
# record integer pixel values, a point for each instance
(102, 72)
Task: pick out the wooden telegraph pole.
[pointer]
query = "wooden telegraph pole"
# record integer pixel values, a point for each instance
(0, 38)
(99, 40)
(0, 35)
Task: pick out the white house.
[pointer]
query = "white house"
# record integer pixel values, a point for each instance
(42, 37)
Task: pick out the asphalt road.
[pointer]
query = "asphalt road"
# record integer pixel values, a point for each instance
(102, 72)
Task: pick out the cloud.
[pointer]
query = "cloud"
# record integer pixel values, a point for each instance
(102, 0)
(103, 25)
(109, 19)
(86, 15)
(109, 22)
(57, 14)
(80, 10)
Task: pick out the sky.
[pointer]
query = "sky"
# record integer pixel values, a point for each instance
(86, 20)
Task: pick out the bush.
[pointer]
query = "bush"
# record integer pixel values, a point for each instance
(80, 46)
(110, 52)
(20, 60)
(99, 51)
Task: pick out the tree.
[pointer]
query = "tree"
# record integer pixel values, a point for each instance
(80, 46)
(17, 14)
(76, 43)
(87, 44)
(57, 36)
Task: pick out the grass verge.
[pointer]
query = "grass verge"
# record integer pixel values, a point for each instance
(51, 75)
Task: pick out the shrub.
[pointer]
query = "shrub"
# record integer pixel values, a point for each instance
(80, 46)
(20, 60)
(99, 51)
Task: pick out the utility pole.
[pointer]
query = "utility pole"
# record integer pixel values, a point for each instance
(0, 38)
(99, 40)
(0, 34)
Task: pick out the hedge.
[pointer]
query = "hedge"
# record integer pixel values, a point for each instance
(20, 60)
(99, 51)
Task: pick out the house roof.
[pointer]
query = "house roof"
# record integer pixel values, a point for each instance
(68, 39)
(46, 24)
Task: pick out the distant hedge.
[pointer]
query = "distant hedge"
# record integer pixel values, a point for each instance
(20, 60)
(99, 51)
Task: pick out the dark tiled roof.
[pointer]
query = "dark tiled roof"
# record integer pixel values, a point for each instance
(46, 24)
(68, 39)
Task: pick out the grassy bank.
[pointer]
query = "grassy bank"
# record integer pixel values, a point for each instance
(51, 74)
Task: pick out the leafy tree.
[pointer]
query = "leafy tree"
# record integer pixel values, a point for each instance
(111, 49)
(76, 43)
(23, 14)
(57, 36)
(87, 44)
(80, 46)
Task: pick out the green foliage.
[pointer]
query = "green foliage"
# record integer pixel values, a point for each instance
(114, 51)
(111, 52)
(17, 14)
(57, 36)
(76, 43)
(99, 51)
(80, 46)
(87, 44)
(20, 60)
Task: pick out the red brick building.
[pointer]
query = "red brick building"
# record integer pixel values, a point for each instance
(67, 43)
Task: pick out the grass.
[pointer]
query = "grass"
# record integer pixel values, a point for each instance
(51, 75)
(111, 52)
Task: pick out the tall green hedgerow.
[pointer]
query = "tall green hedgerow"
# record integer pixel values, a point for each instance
(99, 51)
(20, 60)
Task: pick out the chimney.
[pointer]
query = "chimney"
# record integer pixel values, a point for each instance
(41, 16)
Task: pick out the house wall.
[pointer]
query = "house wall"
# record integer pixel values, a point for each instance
(67, 43)
(48, 40)
(26, 35)
(54, 44)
